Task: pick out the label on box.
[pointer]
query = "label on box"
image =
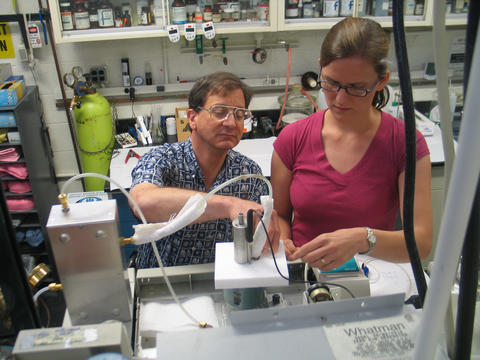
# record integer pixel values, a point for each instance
(89, 196)
(13, 137)
(7, 119)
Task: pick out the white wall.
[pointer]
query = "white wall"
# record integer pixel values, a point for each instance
(184, 65)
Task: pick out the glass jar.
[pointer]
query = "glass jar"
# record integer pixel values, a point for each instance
(198, 15)
(190, 7)
(227, 15)
(105, 14)
(291, 12)
(262, 10)
(145, 16)
(93, 14)
(308, 10)
(179, 12)
(208, 13)
(330, 8)
(66, 15)
(81, 17)
(216, 14)
(297, 105)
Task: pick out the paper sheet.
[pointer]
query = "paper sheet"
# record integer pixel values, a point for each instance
(167, 316)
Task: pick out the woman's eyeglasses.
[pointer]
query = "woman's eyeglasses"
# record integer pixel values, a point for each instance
(332, 86)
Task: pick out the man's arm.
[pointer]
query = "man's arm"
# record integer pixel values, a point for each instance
(158, 204)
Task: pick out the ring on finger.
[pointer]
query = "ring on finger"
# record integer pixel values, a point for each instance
(323, 261)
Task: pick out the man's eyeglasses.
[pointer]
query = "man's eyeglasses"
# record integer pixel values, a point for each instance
(222, 112)
(332, 86)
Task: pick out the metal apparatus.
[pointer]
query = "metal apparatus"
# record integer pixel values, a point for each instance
(84, 240)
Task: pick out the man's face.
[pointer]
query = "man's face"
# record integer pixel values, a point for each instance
(217, 134)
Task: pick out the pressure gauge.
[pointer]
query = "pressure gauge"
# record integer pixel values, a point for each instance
(77, 71)
(69, 79)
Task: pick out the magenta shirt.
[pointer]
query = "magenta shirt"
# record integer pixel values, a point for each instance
(324, 200)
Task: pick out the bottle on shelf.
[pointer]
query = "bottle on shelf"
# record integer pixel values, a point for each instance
(207, 13)
(81, 17)
(179, 12)
(190, 7)
(105, 14)
(198, 15)
(66, 15)
(346, 8)
(330, 8)
(93, 14)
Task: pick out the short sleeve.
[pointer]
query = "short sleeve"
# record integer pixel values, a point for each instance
(284, 145)
(151, 167)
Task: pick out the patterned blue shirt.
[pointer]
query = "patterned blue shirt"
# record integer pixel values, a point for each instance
(175, 165)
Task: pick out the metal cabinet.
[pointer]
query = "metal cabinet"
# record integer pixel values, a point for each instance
(36, 156)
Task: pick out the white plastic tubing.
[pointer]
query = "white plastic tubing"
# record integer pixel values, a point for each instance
(441, 66)
(455, 218)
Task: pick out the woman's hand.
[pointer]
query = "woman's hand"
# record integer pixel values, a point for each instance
(290, 249)
(330, 250)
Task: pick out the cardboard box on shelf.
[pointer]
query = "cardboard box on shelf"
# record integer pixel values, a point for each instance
(11, 92)
(183, 130)
(13, 137)
(7, 119)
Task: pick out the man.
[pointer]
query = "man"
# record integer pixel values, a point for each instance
(168, 175)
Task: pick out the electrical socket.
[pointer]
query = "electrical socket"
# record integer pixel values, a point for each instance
(22, 53)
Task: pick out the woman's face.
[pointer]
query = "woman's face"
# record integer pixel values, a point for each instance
(354, 72)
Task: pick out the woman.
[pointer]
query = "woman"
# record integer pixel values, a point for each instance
(341, 172)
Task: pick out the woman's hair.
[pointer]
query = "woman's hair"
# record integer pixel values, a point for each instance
(359, 37)
(218, 83)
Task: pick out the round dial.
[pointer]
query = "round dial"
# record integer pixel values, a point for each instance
(69, 79)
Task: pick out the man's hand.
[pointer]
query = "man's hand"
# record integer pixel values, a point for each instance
(238, 205)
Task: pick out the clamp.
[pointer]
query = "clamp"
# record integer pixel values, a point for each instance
(130, 154)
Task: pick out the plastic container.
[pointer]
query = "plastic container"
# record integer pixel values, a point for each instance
(171, 125)
(297, 106)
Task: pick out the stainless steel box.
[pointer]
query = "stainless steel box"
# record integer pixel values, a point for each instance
(85, 244)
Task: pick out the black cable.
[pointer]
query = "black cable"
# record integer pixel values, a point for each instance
(411, 148)
(291, 280)
(471, 247)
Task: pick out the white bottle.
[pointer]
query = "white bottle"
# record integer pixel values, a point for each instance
(171, 124)
(409, 7)
(158, 12)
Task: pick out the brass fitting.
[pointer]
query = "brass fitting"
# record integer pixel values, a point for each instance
(55, 287)
(62, 198)
(38, 273)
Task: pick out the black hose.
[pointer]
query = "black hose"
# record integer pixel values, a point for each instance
(471, 247)
(411, 149)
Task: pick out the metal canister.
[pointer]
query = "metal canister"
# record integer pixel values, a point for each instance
(241, 248)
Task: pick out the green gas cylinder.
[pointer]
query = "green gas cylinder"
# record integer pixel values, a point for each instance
(95, 135)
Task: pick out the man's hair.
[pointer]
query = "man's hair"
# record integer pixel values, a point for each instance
(218, 83)
(359, 37)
